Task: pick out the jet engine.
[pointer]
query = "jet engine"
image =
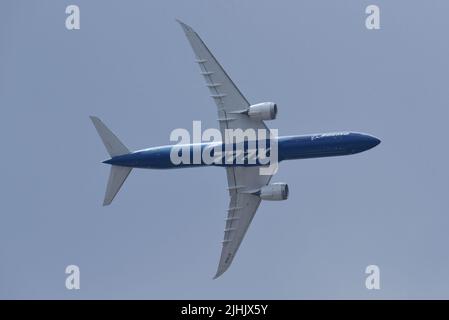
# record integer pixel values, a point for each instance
(263, 111)
(274, 192)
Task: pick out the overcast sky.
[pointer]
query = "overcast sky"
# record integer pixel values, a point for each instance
(131, 65)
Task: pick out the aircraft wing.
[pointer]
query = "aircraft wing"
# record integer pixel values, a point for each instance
(241, 211)
(223, 91)
(229, 100)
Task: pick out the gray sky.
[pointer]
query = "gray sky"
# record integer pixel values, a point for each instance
(131, 65)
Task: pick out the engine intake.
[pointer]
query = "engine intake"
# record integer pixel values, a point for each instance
(274, 192)
(263, 111)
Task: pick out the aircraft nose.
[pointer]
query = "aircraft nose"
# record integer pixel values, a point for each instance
(371, 142)
(376, 141)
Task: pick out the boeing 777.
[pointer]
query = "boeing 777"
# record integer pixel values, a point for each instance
(246, 185)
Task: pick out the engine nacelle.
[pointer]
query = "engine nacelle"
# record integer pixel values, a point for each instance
(263, 111)
(274, 192)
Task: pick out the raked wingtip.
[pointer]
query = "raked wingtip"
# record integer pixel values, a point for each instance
(185, 26)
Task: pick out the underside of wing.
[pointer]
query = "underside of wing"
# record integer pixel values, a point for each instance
(228, 98)
(242, 209)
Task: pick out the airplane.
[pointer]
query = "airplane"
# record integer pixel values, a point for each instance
(246, 185)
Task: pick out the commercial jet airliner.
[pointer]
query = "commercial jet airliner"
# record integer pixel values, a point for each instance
(246, 185)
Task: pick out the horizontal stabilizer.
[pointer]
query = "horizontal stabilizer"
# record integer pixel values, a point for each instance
(117, 177)
(113, 145)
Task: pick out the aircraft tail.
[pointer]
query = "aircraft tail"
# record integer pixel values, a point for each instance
(115, 147)
(117, 177)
